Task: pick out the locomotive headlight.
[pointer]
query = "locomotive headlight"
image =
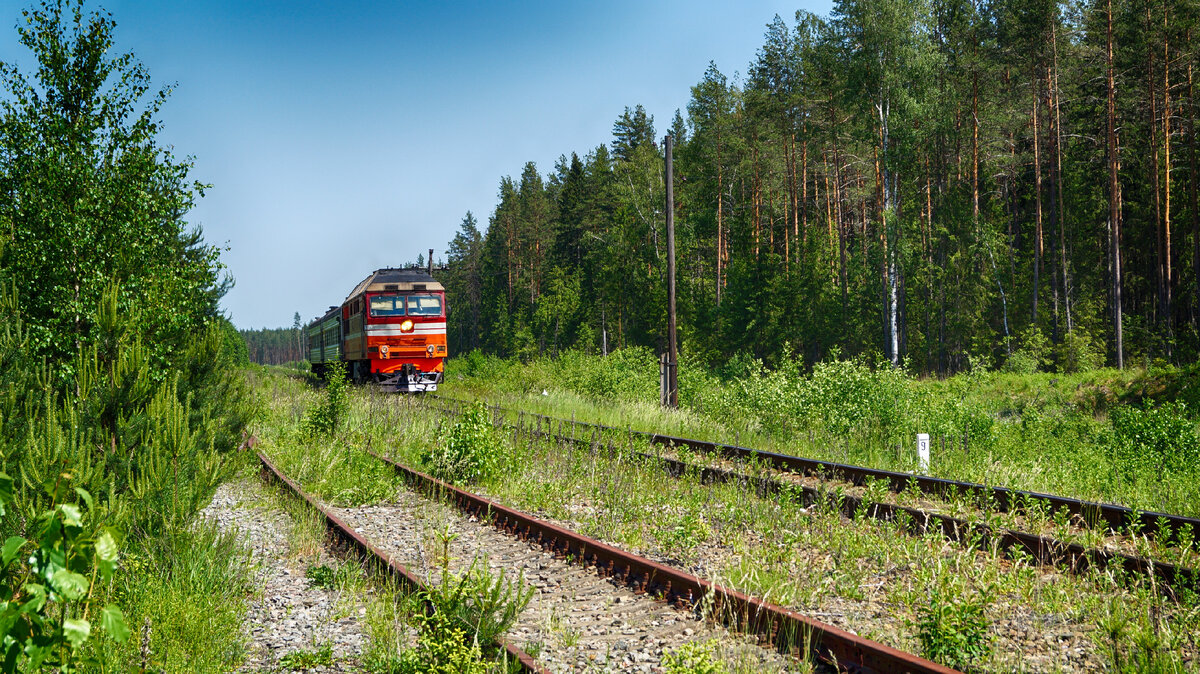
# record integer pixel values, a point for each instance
(406, 326)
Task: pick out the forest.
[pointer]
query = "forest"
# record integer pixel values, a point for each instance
(936, 184)
(275, 346)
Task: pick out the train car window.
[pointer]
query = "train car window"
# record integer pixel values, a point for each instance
(387, 305)
(424, 305)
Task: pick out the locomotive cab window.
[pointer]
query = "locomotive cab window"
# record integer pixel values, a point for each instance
(424, 305)
(387, 305)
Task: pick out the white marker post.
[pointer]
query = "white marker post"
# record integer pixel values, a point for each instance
(923, 451)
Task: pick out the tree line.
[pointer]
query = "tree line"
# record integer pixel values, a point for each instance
(276, 346)
(926, 182)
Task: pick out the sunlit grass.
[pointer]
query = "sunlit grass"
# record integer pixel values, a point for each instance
(1044, 432)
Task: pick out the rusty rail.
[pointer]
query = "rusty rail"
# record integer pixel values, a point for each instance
(398, 571)
(1001, 499)
(1043, 549)
(786, 630)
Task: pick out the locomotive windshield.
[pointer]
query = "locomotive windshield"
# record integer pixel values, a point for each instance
(387, 305)
(412, 305)
(424, 305)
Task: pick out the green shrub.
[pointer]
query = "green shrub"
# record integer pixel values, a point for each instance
(1148, 441)
(844, 395)
(470, 450)
(953, 627)
(694, 657)
(441, 648)
(1033, 355)
(1020, 362)
(470, 611)
(1080, 353)
(479, 604)
(629, 374)
(327, 416)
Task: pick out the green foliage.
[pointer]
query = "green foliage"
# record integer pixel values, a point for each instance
(185, 591)
(321, 656)
(326, 418)
(89, 198)
(234, 345)
(321, 576)
(1078, 352)
(684, 533)
(469, 451)
(1138, 643)
(953, 626)
(1153, 441)
(479, 604)
(115, 367)
(838, 397)
(47, 585)
(167, 435)
(468, 613)
(1033, 354)
(442, 648)
(625, 374)
(694, 657)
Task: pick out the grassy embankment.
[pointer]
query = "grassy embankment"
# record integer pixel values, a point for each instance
(103, 478)
(1122, 437)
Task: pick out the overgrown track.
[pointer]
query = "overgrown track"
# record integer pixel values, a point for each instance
(347, 535)
(1043, 549)
(785, 630)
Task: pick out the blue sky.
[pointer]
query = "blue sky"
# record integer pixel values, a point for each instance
(344, 137)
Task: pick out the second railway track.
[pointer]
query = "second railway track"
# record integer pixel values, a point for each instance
(806, 477)
(595, 608)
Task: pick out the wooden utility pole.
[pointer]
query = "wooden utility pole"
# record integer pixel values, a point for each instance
(672, 397)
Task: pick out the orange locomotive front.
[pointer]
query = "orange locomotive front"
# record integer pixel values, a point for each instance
(394, 328)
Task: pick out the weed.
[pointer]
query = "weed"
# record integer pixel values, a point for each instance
(307, 659)
(327, 416)
(442, 648)
(482, 605)
(694, 657)
(471, 450)
(953, 626)
(1150, 441)
(321, 576)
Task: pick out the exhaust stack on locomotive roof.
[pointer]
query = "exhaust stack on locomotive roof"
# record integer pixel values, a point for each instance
(391, 329)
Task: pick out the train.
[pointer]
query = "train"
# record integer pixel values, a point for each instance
(390, 330)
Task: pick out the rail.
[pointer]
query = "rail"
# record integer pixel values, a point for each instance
(786, 630)
(1043, 549)
(347, 534)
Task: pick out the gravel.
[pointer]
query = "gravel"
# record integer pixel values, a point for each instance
(577, 620)
(288, 614)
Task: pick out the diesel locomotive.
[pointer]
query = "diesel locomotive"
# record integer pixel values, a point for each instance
(390, 330)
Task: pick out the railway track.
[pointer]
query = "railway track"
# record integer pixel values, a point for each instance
(347, 535)
(614, 599)
(788, 469)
